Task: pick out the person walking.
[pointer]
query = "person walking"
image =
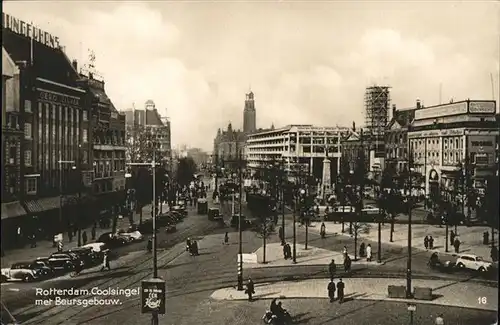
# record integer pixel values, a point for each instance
(332, 269)
(250, 290)
(226, 238)
(331, 290)
(456, 244)
(344, 251)
(70, 235)
(340, 291)
(431, 242)
(84, 237)
(362, 250)
(369, 253)
(452, 237)
(494, 253)
(105, 262)
(60, 246)
(323, 230)
(347, 264)
(280, 235)
(426, 242)
(288, 250)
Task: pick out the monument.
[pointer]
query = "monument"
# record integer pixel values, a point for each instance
(326, 180)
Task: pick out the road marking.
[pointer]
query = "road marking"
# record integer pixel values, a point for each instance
(14, 289)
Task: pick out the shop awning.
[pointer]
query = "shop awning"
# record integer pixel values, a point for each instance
(12, 210)
(45, 204)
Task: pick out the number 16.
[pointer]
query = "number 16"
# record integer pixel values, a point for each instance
(482, 300)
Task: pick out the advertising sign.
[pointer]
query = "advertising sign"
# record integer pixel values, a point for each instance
(29, 30)
(481, 143)
(482, 107)
(441, 110)
(153, 296)
(52, 96)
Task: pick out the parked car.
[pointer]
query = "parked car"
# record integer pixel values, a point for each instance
(473, 262)
(43, 263)
(23, 271)
(130, 236)
(86, 255)
(64, 261)
(111, 240)
(96, 247)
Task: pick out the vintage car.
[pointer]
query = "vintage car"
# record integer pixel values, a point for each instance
(65, 261)
(130, 235)
(473, 262)
(43, 263)
(96, 247)
(111, 240)
(23, 271)
(86, 255)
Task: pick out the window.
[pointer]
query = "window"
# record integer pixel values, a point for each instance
(27, 158)
(27, 106)
(85, 116)
(28, 129)
(30, 184)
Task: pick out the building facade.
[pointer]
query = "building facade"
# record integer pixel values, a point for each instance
(229, 144)
(396, 137)
(304, 145)
(144, 127)
(353, 143)
(454, 137)
(12, 136)
(104, 130)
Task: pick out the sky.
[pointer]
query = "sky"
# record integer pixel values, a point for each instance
(306, 62)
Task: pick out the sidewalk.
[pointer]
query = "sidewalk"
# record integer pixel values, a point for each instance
(44, 247)
(447, 293)
(471, 237)
(311, 256)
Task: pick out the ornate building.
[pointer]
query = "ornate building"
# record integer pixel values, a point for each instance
(229, 143)
(396, 137)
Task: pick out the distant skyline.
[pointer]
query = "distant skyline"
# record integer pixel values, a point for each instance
(306, 62)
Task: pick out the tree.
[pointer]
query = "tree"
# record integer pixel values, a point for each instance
(185, 171)
(143, 184)
(264, 226)
(388, 200)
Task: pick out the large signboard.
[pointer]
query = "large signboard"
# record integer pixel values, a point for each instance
(29, 30)
(153, 296)
(481, 143)
(55, 97)
(482, 107)
(442, 110)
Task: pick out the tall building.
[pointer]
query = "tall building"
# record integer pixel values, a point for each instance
(229, 144)
(104, 129)
(12, 136)
(305, 145)
(51, 114)
(249, 114)
(377, 105)
(444, 139)
(145, 126)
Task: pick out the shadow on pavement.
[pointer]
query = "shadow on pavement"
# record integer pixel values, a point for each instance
(328, 321)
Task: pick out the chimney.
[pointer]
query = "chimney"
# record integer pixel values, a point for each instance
(74, 63)
(419, 106)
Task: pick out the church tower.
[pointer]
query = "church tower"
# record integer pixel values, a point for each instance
(249, 115)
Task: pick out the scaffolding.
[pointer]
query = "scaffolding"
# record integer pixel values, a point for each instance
(377, 103)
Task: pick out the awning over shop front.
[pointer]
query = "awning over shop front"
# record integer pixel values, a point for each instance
(12, 210)
(45, 204)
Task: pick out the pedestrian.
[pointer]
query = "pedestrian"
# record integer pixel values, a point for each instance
(340, 291)
(456, 244)
(426, 242)
(60, 246)
(369, 253)
(362, 250)
(452, 237)
(75, 230)
(285, 253)
(250, 289)
(92, 232)
(494, 253)
(32, 239)
(332, 269)
(431, 242)
(280, 235)
(226, 238)
(347, 264)
(288, 250)
(344, 252)
(331, 290)
(105, 262)
(188, 245)
(84, 237)
(439, 320)
(323, 230)
(70, 235)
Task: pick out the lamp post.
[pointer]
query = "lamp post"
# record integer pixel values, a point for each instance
(410, 203)
(351, 172)
(240, 240)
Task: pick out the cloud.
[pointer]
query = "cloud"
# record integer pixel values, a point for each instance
(306, 63)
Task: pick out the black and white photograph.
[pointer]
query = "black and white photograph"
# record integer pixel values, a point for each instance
(250, 162)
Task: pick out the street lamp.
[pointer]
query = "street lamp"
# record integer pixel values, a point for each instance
(410, 203)
(351, 172)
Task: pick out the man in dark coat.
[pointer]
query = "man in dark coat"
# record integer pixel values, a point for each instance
(250, 289)
(331, 291)
(332, 269)
(288, 250)
(340, 291)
